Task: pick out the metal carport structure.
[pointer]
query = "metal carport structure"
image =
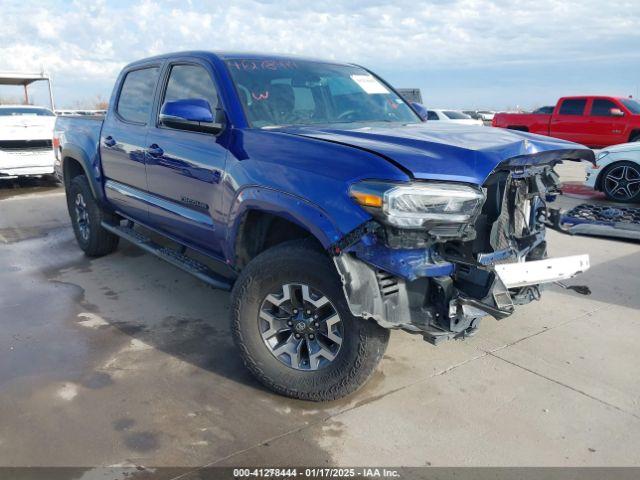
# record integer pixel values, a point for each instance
(24, 80)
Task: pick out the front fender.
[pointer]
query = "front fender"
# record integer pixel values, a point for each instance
(290, 207)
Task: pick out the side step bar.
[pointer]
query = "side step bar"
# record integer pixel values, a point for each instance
(174, 257)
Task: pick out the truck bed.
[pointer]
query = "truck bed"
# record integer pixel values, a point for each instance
(83, 132)
(526, 122)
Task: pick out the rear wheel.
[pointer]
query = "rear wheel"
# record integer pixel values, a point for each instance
(294, 329)
(86, 218)
(621, 182)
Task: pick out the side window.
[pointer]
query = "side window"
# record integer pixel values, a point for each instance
(602, 108)
(190, 81)
(573, 106)
(136, 95)
(431, 115)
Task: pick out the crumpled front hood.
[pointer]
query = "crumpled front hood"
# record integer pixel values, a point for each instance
(445, 151)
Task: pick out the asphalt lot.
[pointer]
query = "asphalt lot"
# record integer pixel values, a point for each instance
(127, 361)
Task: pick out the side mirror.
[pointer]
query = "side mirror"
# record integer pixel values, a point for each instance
(616, 112)
(421, 110)
(192, 114)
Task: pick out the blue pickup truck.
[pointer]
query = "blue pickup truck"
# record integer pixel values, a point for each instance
(322, 199)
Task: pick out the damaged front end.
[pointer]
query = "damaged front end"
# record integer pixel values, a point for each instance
(442, 257)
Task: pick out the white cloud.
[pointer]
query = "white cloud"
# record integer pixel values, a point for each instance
(92, 40)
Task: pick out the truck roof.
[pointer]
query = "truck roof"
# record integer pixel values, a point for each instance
(18, 78)
(233, 55)
(594, 96)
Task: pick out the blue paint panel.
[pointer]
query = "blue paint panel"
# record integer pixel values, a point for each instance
(190, 216)
(79, 139)
(406, 263)
(441, 151)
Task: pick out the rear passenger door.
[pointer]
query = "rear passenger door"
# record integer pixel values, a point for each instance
(570, 122)
(185, 168)
(123, 141)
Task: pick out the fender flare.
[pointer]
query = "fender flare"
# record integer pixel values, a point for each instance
(295, 209)
(91, 169)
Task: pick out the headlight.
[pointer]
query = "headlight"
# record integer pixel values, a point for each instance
(602, 154)
(418, 204)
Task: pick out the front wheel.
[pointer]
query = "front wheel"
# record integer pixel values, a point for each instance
(621, 182)
(293, 327)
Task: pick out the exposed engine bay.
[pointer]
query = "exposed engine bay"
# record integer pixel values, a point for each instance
(441, 280)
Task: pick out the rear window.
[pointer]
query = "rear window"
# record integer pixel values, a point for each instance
(136, 95)
(573, 106)
(602, 108)
(632, 105)
(15, 111)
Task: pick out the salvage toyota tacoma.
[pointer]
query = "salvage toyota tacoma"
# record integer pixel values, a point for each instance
(322, 199)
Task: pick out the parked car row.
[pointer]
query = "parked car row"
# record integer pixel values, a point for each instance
(453, 116)
(26, 143)
(81, 112)
(484, 115)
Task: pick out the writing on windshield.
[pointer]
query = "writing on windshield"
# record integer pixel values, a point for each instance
(291, 92)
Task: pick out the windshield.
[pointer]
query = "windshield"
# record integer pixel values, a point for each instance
(14, 111)
(456, 115)
(293, 92)
(632, 105)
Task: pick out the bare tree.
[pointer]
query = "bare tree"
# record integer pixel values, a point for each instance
(97, 102)
(101, 103)
(11, 100)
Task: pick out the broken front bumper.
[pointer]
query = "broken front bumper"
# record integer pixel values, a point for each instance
(537, 272)
(451, 306)
(443, 289)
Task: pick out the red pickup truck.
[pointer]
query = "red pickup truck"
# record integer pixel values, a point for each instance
(595, 121)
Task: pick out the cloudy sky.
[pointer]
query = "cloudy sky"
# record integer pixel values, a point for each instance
(461, 53)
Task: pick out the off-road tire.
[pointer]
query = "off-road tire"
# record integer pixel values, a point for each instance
(363, 344)
(98, 241)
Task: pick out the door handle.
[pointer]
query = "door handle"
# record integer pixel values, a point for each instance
(109, 141)
(154, 150)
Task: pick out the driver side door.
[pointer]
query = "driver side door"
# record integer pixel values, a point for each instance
(185, 167)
